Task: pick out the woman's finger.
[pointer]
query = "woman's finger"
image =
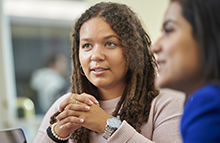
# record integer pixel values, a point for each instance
(76, 98)
(68, 114)
(85, 98)
(68, 100)
(71, 122)
(65, 127)
(70, 125)
(77, 107)
(72, 119)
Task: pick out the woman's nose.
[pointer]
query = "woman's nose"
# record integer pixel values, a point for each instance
(98, 53)
(156, 47)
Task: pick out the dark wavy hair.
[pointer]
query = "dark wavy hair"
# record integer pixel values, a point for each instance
(203, 16)
(135, 102)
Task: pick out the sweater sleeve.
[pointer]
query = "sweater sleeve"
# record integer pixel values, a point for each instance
(127, 134)
(162, 125)
(42, 136)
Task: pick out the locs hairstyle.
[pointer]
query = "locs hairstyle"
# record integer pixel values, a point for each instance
(136, 100)
(203, 15)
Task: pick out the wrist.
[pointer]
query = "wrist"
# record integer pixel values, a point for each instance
(59, 131)
(105, 123)
(54, 136)
(112, 125)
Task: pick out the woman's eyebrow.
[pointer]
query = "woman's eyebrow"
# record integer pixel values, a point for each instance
(168, 21)
(85, 39)
(106, 37)
(111, 36)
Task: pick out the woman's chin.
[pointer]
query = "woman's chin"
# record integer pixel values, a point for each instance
(158, 82)
(161, 83)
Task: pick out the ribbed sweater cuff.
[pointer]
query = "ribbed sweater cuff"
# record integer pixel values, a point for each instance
(123, 133)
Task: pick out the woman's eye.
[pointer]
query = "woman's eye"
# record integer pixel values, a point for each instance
(110, 44)
(87, 46)
(168, 30)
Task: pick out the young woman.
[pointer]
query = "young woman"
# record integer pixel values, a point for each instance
(113, 95)
(189, 59)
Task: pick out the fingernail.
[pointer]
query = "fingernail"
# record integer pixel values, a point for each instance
(87, 107)
(71, 97)
(61, 127)
(96, 102)
(90, 102)
(81, 120)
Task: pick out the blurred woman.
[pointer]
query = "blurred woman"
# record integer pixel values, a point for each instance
(189, 58)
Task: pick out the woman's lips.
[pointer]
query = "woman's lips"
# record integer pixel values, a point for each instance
(160, 64)
(99, 71)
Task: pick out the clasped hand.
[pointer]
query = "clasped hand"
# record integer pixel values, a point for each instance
(80, 110)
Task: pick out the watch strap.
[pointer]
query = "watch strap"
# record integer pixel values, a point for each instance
(112, 125)
(108, 131)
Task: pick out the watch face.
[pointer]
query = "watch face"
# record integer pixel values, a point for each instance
(113, 122)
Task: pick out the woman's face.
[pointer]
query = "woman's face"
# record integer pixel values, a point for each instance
(101, 55)
(178, 53)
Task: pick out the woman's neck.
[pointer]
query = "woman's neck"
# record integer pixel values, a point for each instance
(107, 94)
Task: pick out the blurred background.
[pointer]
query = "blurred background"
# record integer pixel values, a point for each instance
(35, 55)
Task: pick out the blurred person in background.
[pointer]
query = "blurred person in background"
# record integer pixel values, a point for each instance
(50, 81)
(189, 58)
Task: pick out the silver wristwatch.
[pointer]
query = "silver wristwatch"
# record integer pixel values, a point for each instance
(112, 125)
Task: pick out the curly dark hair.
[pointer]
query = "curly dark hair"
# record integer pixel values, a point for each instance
(140, 90)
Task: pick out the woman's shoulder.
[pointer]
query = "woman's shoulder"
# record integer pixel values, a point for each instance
(207, 96)
(168, 95)
(166, 110)
(168, 103)
(202, 113)
(209, 91)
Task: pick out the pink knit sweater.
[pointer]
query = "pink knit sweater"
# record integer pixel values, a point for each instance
(162, 126)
